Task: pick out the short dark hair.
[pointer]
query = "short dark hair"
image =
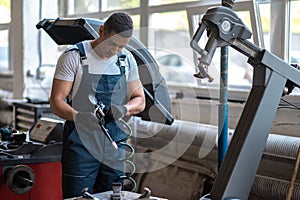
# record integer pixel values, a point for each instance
(120, 23)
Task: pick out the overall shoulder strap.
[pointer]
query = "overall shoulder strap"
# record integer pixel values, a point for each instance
(83, 57)
(80, 49)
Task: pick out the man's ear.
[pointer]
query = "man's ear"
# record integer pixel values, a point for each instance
(101, 30)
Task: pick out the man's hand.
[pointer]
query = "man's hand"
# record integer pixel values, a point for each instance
(114, 112)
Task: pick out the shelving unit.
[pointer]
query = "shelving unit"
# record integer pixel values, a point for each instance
(27, 114)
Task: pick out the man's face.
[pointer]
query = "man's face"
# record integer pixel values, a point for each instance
(110, 44)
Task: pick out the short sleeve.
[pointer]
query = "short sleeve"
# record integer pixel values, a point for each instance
(133, 73)
(67, 66)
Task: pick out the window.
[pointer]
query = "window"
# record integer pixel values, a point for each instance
(161, 2)
(295, 32)
(136, 25)
(3, 50)
(93, 6)
(169, 39)
(83, 6)
(119, 4)
(265, 14)
(5, 19)
(5, 16)
(294, 54)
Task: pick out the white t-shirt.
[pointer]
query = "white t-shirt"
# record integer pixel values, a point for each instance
(69, 67)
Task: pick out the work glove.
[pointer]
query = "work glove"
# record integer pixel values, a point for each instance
(87, 121)
(114, 112)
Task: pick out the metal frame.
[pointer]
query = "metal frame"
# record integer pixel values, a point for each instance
(239, 168)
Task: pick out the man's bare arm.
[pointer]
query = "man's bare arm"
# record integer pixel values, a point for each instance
(58, 104)
(136, 94)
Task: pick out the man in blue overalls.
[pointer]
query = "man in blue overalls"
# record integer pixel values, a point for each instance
(93, 69)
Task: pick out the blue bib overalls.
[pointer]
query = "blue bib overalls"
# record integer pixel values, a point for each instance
(88, 158)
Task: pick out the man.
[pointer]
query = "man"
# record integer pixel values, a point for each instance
(102, 73)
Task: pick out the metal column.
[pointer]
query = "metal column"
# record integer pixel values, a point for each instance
(223, 106)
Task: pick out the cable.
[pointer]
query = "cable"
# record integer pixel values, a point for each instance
(124, 142)
(291, 105)
(98, 112)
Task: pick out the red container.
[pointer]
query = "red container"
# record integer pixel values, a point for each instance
(47, 183)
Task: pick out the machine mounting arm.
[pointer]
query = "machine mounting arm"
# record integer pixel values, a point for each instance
(237, 172)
